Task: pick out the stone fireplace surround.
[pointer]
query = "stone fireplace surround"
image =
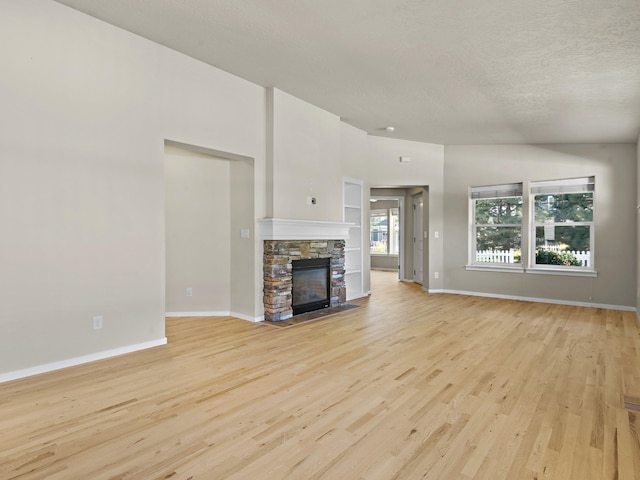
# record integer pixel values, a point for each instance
(287, 240)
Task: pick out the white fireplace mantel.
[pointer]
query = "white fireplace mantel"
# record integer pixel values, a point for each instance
(290, 229)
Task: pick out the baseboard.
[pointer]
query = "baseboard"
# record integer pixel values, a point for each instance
(540, 300)
(248, 318)
(72, 362)
(241, 316)
(359, 295)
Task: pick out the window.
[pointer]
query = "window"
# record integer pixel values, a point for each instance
(563, 223)
(497, 224)
(385, 231)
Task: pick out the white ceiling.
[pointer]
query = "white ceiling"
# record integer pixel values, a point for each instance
(440, 71)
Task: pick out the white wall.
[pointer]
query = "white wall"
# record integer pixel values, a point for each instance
(245, 254)
(637, 302)
(85, 111)
(614, 167)
(198, 231)
(305, 160)
(354, 154)
(206, 107)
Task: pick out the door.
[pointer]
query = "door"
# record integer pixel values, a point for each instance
(418, 207)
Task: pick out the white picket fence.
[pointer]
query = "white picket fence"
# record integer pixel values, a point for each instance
(508, 256)
(495, 256)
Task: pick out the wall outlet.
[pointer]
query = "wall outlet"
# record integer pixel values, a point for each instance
(436, 234)
(189, 292)
(97, 322)
(436, 275)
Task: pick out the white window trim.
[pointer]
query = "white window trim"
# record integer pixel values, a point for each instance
(559, 270)
(389, 233)
(528, 244)
(559, 187)
(486, 192)
(495, 267)
(380, 212)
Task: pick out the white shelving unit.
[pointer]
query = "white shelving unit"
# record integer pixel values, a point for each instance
(352, 205)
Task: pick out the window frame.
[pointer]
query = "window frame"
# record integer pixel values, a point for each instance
(379, 212)
(559, 187)
(508, 190)
(391, 240)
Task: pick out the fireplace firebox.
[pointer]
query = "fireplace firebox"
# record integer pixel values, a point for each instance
(279, 256)
(311, 284)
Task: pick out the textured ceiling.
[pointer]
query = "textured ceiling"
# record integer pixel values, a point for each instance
(440, 71)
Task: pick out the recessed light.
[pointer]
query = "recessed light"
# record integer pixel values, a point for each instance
(390, 129)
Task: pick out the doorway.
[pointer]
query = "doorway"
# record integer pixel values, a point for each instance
(418, 242)
(411, 256)
(209, 218)
(386, 233)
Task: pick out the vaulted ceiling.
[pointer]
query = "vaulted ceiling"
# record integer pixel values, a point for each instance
(439, 71)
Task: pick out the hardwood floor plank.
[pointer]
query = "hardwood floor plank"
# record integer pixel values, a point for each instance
(409, 385)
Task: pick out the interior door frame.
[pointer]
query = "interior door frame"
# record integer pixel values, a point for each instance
(418, 233)
(401, 253)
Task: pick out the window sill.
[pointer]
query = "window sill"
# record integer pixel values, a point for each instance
(563, 271)
(495, 268)
(574, 272)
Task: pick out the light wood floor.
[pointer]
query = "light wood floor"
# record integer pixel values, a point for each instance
(407, 386)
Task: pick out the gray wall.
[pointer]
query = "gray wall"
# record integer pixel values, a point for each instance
(208, 202)
(426, 168)
(197, 224)
(614, 167)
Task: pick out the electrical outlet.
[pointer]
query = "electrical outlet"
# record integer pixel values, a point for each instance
(436, 275)
(97, 322)
(189, 292)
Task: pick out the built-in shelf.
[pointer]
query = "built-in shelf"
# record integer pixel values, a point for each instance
(352, 214)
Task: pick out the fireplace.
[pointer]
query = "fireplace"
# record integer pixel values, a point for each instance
(286, 241)
(280, 256)
(310, 284)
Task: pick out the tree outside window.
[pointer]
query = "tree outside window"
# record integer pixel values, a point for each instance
(497, 224)
(563, 222)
